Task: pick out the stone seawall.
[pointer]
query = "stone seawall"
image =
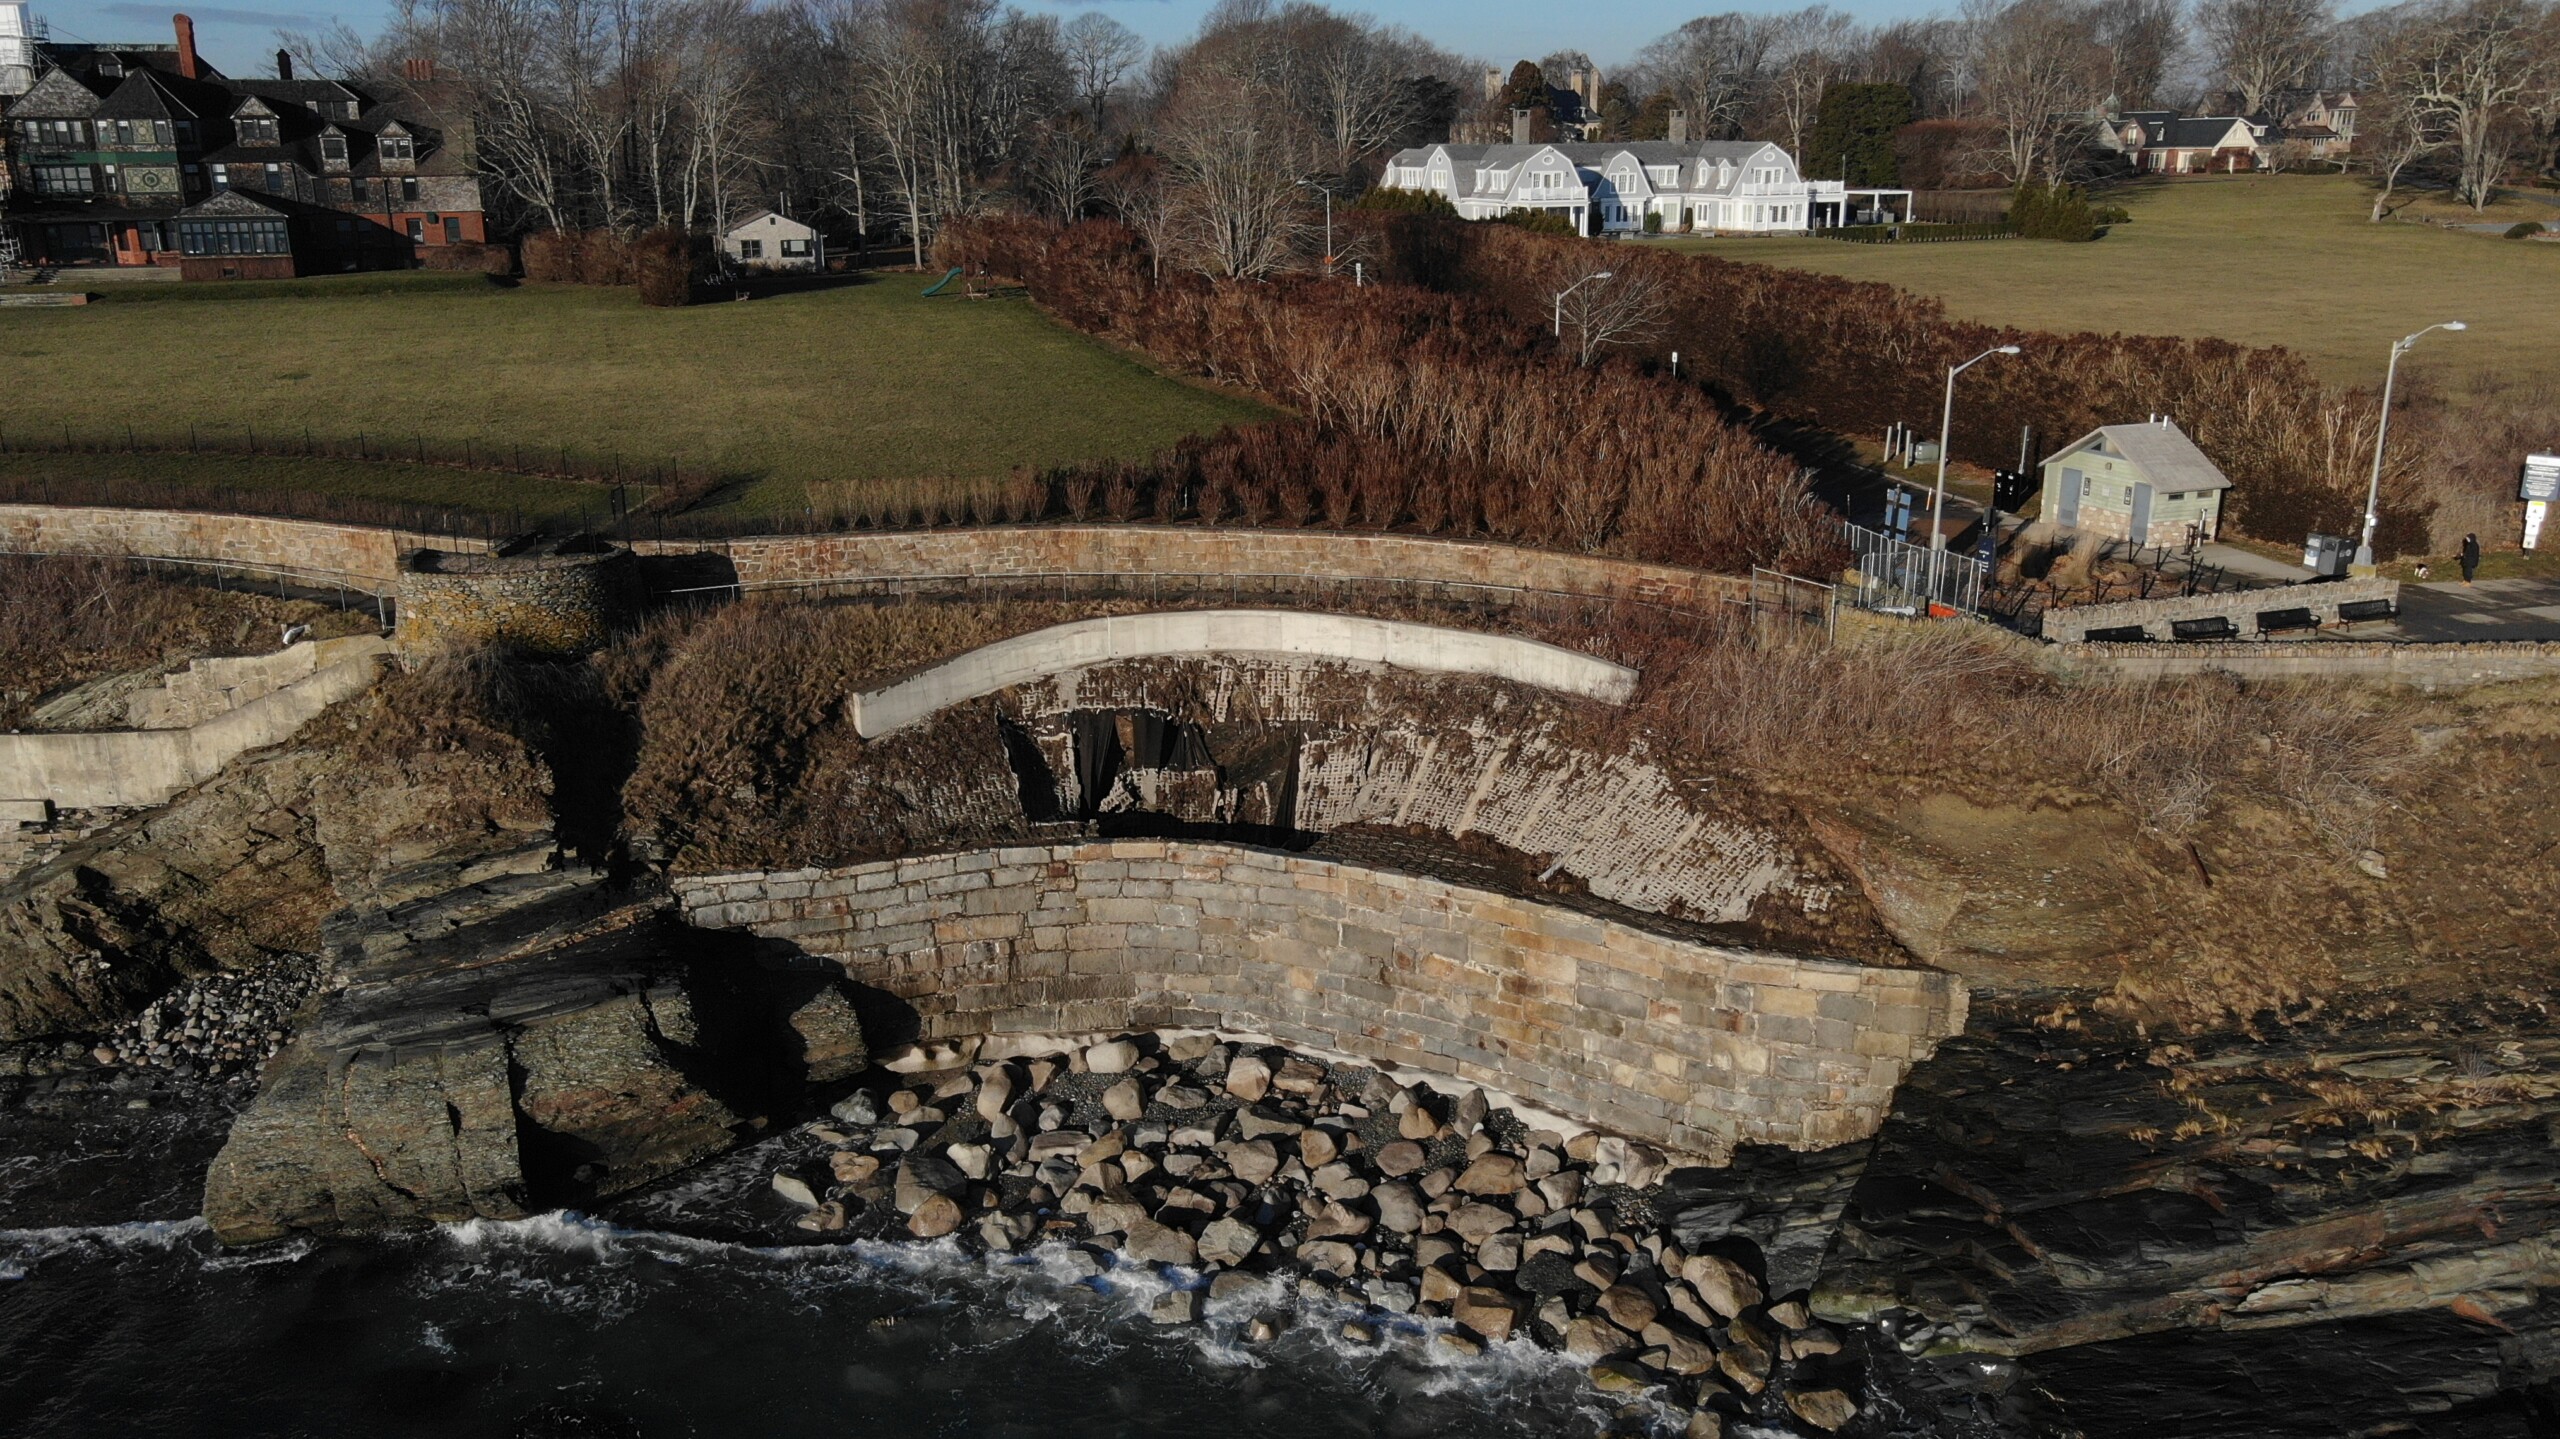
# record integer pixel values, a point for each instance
(1692, 1046)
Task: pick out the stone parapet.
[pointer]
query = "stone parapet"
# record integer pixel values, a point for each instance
(553, 600)
(1692, 1046)
(2071, 623)
(2421, 666)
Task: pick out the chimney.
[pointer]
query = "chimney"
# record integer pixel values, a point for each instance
(418, 68)
(1678, 131)
(186, 45)
(1520, 127)
(284, 64)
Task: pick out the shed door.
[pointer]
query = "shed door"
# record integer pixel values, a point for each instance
(2139, 530)
(2067, 510)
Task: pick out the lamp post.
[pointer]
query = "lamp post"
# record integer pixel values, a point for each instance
(1569, 289)
(2382, 430)
(1946, 424)
(1328, 222)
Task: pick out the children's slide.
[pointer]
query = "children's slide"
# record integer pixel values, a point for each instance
(945, 280)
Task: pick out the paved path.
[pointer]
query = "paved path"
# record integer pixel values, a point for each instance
(2511, 609)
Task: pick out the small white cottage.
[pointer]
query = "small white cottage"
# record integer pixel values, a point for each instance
(767, 241)
(2147, 483)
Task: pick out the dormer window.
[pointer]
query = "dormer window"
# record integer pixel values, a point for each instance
(333, 150)
(396, 148)
(258, 130)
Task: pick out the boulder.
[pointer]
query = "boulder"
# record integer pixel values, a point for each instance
(937, 1216)
(1400, 1207)
(1400, 1158)
(1486, 1311)
(1151, 1243)
(1475, 1223)
(1125, 1101)
(795, 1190)
(1824, 1409)
(1116, 1056)
(1627, 1307)
(1175, 1306)
(1253, 1161)
(1249, 1079)
(1725, 1287)
(1228, 1241)
(1498, 1174)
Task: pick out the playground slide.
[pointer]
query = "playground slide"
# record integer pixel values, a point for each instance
(945, 280)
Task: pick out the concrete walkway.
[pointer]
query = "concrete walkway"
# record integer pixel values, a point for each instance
(2452, 612)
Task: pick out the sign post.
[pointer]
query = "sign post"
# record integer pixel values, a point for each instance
(2541, 486)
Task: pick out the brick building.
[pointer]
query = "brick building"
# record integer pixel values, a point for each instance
(148, 155)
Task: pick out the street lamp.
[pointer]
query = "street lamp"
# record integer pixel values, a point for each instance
(2382, 431)
(1569, 289)
(1328, 222)
(1946, 424)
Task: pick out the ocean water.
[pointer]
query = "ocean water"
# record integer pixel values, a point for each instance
(486, 1328)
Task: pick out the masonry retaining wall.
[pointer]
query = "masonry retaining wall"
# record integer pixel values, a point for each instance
(2070, 623)
(2422, 666)
(1687, 1045)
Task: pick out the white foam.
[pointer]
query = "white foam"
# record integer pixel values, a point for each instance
(25, 1247)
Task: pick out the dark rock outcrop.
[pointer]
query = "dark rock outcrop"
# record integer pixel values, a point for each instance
(227, 876)
(531, 1041)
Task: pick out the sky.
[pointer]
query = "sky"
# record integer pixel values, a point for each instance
(241, 39)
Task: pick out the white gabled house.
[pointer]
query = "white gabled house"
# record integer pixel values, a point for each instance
(1745, 187)
(767, 241)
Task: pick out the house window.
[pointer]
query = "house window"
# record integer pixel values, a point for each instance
(222, 177)
(257, 130)
(234, 237)
(409, 187)
(276, 182)
(751, 249)
(186, 132)
(333, 149)
(395, 147)
(452, 230)
(417, 231)
(795, 249)
(62, 179)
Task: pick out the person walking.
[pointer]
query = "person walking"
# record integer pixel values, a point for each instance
(2470, 557)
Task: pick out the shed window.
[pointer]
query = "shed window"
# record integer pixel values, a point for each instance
(751, 249)
(795, 249)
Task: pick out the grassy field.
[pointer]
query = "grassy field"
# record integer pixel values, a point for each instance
(860, 383)
(2266, 260)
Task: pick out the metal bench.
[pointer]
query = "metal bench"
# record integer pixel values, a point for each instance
(2117, 635)
(2271, 622)
(2364, 611)
(2218, 627)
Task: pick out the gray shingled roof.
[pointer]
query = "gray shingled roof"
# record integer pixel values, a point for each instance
(2162, 452)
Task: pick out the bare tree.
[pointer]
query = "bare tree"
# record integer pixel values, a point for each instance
(2264, 49)
(1811, 53)
(1136, 192)
(2145, 40)
(2479, 71)
(1624, 309)
(1063, 166)
(1716, 67)
(1233, 159)
(1099, 52)
(2035, 76)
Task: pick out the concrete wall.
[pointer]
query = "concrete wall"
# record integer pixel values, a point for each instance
(125, 768)
(2069, 623)
(209, 687)
(1212, 633)
(1687, 1045)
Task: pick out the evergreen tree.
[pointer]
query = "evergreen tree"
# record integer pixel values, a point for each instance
(1853, 133)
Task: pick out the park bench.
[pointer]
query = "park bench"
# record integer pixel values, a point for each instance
(2218, 627)
(2117, 635)
(2362, 611)
(2271, 622)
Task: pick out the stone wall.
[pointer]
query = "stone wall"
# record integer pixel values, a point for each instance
(315, 552)
(114, 769)
(1688, 1045)
(1062, 649)
(554, 600)
(2423, 666)
(1191, 560)
(2071, 622)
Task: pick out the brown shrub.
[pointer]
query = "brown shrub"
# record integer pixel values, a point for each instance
(605, 258)
(486, 259)
(662, 264)
(551, 257)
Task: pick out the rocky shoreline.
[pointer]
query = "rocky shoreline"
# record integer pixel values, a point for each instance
(1218, 1165)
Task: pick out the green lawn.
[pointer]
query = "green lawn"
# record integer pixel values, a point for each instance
(862, 383)
(2266, 260)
